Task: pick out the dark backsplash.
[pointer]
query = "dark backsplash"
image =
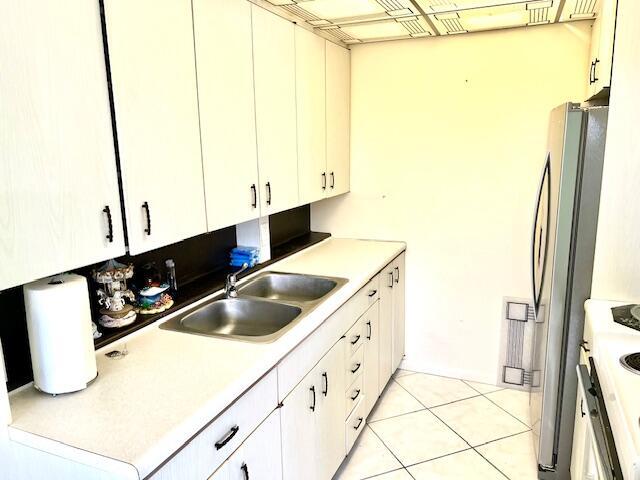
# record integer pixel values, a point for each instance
(202, 259)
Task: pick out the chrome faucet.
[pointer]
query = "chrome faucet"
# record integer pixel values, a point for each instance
(230, 286)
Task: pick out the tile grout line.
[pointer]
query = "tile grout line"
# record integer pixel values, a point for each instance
(387, 447)
(395, 416)
(460, 436)
(506, 411)
(498, 389)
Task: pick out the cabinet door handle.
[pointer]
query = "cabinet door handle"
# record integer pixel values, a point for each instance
(107, 210)
(355, 339)
(397, 269)
(372, 293)
(254, 196)
(358, 365)
(370, 331)
(582, 414)
(245, 471)
(145, 206)
(390, 279)
(359, 423)
(324, 180)
(326, 384)
(583, 345)
(333, 180)
(356, 395)
(227, 438)
(313, 392)
(595, 70)
(268, 185)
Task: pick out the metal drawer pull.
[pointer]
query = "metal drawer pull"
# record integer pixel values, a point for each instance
(227, 438)
(358, 365)
(268, 185)
(355, 340)
(254, 196)
(107, 210)
(372, 293)
(313, 406)
(145, 206)
(391, 279)
(333, 180)
(356, 395)
(397, 269)
(245, 471)
(359, 423)
(326, 384)
(370, 331)
(583, 345)
(324, 180)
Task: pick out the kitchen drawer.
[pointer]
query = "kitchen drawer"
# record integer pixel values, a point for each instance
(355, 338)
(353, 395)
(216, 442)
(354, 425)
(355, 366)
(365, 297)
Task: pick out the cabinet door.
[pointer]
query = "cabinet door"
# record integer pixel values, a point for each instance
(398, 332)
(154, 89)
(227, 113)
(57, 161)
(311, 118)
(298, 417)
(371, 358)
(275, 89)
(386, 324)
(260, 455)
(580, 444)
(338, 68)
(330, 438)
(602, 39)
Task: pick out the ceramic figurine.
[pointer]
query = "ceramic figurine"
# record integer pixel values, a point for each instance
(112, 296)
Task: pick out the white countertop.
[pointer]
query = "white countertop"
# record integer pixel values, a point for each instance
(143, 407)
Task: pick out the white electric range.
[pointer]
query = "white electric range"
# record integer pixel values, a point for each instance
(613, 390)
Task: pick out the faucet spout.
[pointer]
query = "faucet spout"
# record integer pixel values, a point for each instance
(230, 289)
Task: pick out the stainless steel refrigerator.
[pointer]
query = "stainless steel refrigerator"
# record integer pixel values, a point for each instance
(562, 249)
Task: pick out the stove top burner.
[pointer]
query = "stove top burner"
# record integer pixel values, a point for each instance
(631, 362)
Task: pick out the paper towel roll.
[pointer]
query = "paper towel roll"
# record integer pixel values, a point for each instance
(60, 337)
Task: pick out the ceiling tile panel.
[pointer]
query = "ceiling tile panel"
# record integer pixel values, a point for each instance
(356, 21)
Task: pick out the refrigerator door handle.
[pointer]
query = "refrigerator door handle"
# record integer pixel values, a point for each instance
(535, 258)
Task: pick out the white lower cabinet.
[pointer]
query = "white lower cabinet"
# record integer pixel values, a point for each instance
(398, 294)
(386, 324)
(371, 382)
(313, 441)
(258, 457)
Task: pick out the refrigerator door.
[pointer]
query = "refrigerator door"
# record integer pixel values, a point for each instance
(551, 252)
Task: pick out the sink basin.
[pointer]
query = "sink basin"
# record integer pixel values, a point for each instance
(239, 318)
(289, 287)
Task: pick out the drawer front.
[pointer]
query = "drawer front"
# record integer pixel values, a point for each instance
(365, 297)
(209, 449)
(355, 338)
(354, 425)
(353, 395)
(355, 366)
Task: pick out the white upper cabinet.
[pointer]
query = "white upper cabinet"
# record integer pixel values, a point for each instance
(601, 56)
(310, 101)
(154, 87)
(275, 91)
(338, 95)
(224, 61)
(57, 161)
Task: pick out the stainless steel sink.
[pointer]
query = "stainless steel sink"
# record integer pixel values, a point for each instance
(290, 287)
(267, 307)
(239, 318)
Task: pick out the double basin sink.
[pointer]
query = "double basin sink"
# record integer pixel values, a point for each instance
(267, 306)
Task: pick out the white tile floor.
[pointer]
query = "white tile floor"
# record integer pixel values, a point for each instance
(438, 428)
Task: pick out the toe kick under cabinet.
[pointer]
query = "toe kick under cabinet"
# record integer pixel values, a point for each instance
(303, 417)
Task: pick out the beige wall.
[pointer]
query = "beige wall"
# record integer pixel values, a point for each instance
(616, 274)
(448, 139)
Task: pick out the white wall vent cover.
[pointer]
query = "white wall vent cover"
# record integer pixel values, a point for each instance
(358, 21)
(516, 356)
